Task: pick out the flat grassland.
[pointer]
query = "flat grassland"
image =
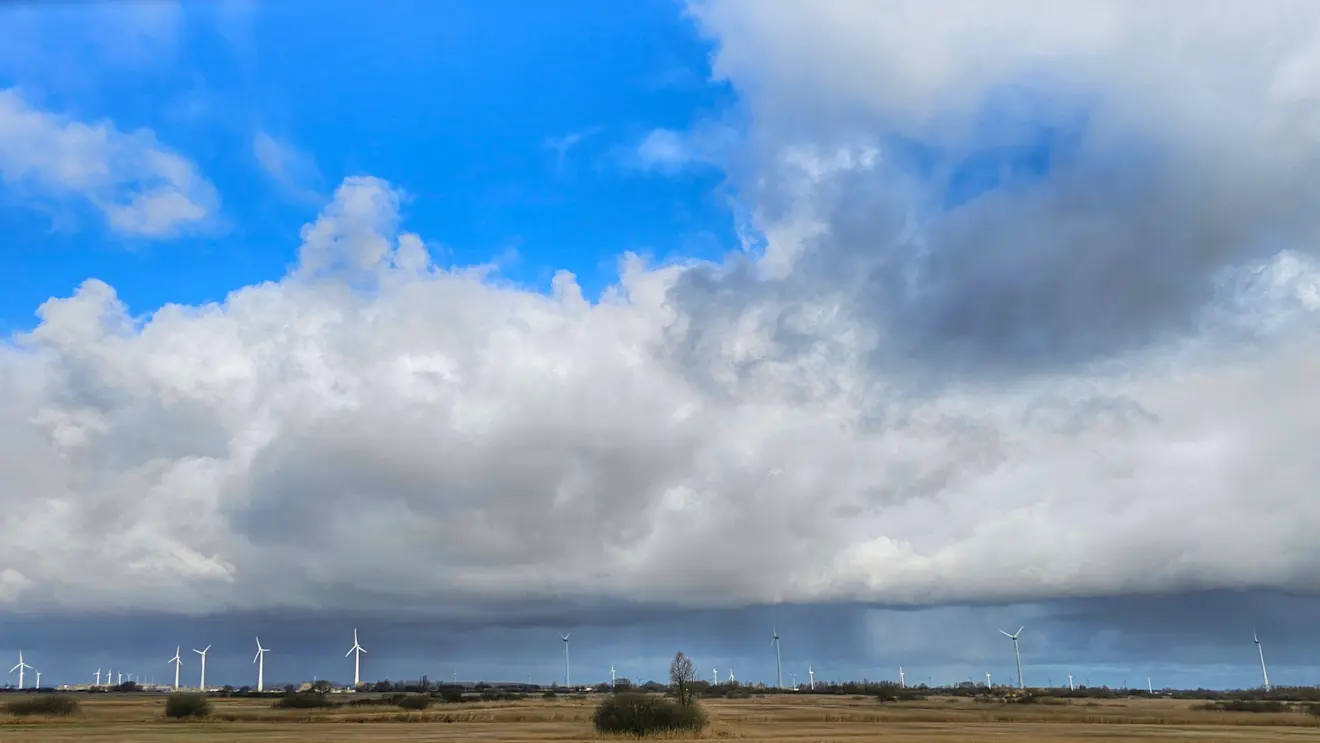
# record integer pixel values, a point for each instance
(820, 719)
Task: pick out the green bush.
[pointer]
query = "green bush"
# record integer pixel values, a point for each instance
(183, 705)
(303, 700)
(413, 701)
(49, 705)
(646, 714)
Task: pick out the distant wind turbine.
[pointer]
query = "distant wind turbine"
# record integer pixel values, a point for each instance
(1264, 674)
(716, 673)
(731, 678)
(356, 651)
(260, 660)
(611, 675)
(1070, 683)
(201, 685)
(811, 673)
(902, 681)
(1149, 689)
(98, 677)
(1016, 654)
(20, 667)
(178, 662)
(779, 666)
(987, 679)
(38, 679)
(567, 679)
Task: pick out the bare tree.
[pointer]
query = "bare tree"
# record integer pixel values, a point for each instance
(681, 675)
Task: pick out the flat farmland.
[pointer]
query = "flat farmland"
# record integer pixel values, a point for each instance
(773, 718)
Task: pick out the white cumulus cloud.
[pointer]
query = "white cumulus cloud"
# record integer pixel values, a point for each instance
(140, 187)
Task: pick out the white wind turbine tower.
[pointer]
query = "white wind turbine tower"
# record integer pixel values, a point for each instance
(178, 662)
(1149, 689)
(731, 678)
(1016, 654)
(260, 660)
(201, 685)
(38, 679)
(901, 680)
(357, 659)
(987, 679)
(779, 666)
(811, 674)
(21, 665)
(1070, 683)
(1256, 638)
(611, 675)
(98, 677)
(567, 681)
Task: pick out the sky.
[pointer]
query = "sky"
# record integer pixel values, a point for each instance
(884, 323)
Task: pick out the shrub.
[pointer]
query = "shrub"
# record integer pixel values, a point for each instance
(643, 714)
(1244, 705)
(50, 705)
(184, 705)
(302, 700)
(413, 701)
(549, 695)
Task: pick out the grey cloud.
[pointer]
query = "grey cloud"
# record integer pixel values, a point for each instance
(1162, 188)
(859, 412)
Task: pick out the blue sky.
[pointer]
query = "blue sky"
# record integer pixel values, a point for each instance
(1010, 312)
(512, 125)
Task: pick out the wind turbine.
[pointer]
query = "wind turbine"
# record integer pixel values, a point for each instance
(98, 677)
(260, 660)
(1070, 683)
(779, 666)
(357, 659)
(611, 675)
(901, 680)
(21, 665)
(177, 661)
(731, 678)
(1149, 689)
(987, 679)
(567, 681)
(38, 679)
(1018, 655)
(201, 685)
(811, 673)
(1256, 638)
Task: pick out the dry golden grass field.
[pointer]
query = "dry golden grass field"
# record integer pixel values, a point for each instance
(134, 719)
